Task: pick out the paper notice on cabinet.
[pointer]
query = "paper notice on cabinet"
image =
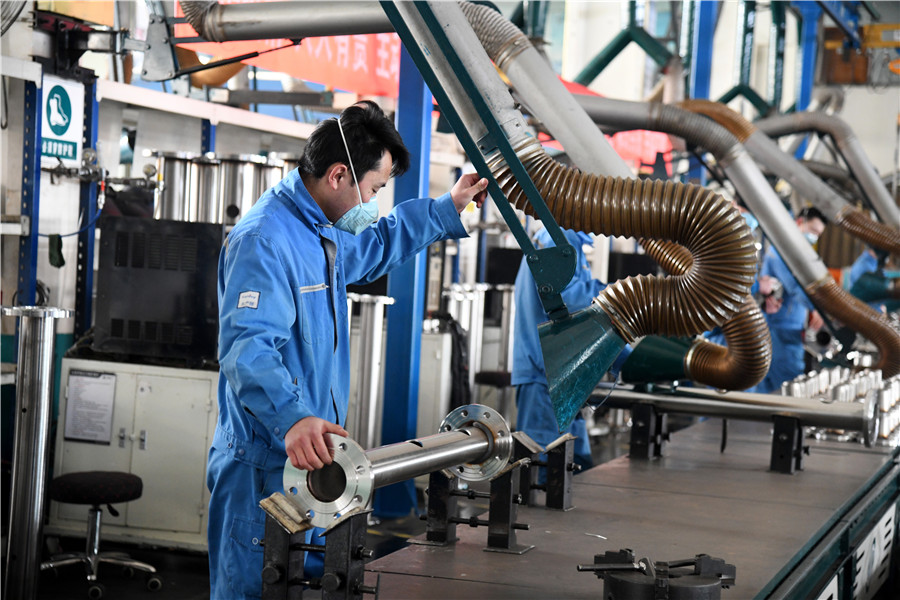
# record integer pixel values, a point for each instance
(89, 406)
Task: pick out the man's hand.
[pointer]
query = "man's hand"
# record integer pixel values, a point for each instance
(773, 304)
(469, 188)
(766, 284)
(816, 322)
(305, 442)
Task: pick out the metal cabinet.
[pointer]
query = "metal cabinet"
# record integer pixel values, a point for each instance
(161, 424)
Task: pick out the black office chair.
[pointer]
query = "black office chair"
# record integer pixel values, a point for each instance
(97, 488)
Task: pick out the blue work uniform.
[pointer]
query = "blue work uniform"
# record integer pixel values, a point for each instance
(865, 263)
(787, 326)
(534, 409)
(283, 351)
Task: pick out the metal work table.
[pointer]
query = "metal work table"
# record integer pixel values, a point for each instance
(694, 500)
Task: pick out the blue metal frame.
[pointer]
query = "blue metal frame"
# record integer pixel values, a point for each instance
(207, 136)
(705, 12)
(809, 13)
(846, 16)
(84, 279)
(809, 23)
(26, 288)
(406, 285)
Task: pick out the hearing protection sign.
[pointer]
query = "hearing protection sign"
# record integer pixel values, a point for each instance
(61, 122)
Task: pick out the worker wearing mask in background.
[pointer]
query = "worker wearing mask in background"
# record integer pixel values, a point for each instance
(283, 333)
(789, 314)
(534, 410)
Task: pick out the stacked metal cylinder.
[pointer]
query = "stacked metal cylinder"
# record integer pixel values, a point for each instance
(211, 188)
(840, 384)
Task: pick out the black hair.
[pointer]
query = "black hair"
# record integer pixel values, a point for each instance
(369, 133)
(811, 212)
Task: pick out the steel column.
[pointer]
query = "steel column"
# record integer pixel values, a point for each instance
(406, 285)
(84, 278)
(704, 29)
(31, 194)
(34, 391)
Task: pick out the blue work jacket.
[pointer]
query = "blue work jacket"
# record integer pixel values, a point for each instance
(283, 331)
(528, 361)
(796, 305)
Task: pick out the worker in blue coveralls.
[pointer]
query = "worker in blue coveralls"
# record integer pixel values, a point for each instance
(789, 315)
(534, 410)
(283, 333)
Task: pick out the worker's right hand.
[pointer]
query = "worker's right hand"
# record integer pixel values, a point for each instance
(305, 442)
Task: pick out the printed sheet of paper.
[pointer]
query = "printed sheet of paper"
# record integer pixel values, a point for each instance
(89, 406)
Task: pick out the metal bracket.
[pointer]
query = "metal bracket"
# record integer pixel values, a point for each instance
(159, 55)
(649, 432)
(787, 445)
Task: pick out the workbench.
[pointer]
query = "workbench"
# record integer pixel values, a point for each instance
(789, 536)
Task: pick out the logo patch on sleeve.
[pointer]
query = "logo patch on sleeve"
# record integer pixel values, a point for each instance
(248, 300)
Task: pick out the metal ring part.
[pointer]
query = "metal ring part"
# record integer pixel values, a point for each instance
(328, 493)
(501, 447)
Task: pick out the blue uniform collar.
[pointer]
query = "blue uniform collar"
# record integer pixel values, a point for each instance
(292, 187)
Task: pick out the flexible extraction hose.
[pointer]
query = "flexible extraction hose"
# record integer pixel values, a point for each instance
(745, 359)
(774, 219)
(824, 291)
(845, 215)
(534, 81)
(723, 261)
(851, 149)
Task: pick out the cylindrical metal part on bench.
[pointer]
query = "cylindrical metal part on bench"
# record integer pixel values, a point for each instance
(474, 444)
(34, 390)
(855, 416)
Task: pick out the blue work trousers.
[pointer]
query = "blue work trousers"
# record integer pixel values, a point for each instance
(237, 526)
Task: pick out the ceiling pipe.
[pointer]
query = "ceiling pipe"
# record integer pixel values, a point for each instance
(774, 219)
(851, 149)
(283, 20)
(745, 360)
(767, 152)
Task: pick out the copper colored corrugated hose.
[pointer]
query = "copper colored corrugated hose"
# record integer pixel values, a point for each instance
(708, 226)
(861, 318)
(850, 218)
(745, 360)
(859, 225)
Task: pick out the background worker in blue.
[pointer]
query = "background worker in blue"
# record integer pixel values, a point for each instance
(283, 333)
(789, 315)
(534, 410)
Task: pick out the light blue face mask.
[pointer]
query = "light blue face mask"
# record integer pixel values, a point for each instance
(363, 214)
(811, 238)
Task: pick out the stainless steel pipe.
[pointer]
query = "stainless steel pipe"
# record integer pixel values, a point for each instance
(367, 410)
(475, 443)
(34, 388)
(292, 20)
(854, 416)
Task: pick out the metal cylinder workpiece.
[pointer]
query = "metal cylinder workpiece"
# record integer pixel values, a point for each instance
(34, 389)
(474, 444)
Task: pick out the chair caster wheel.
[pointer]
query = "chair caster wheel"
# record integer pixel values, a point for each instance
(154, 583)
(96, 591)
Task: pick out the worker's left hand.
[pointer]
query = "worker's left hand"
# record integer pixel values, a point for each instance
(469, 188)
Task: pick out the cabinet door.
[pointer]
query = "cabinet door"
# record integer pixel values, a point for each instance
(169, 453)
(75, 456)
